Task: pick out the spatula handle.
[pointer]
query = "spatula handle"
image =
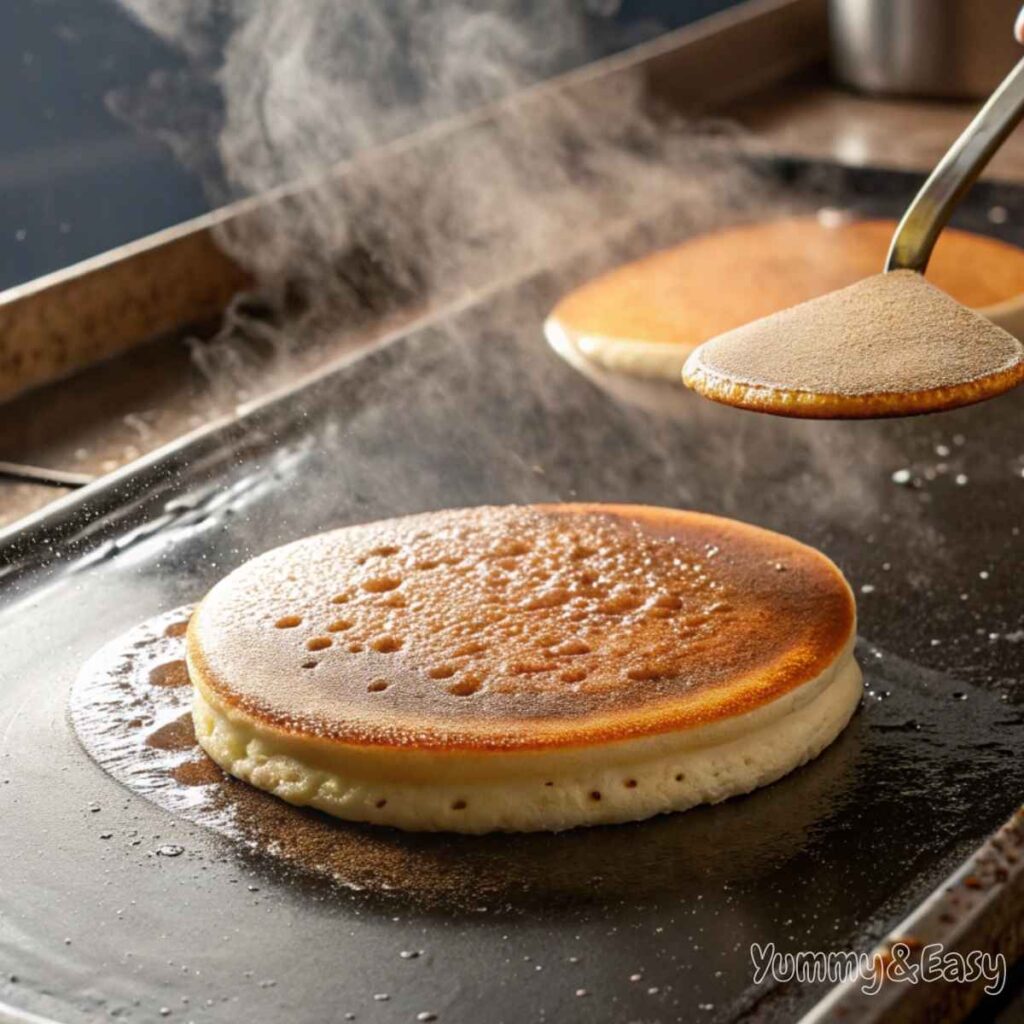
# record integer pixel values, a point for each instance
(932, 207)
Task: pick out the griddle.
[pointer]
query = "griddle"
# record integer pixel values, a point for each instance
(651, 921)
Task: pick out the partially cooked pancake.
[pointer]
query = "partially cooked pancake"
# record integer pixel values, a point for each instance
(890, 345)
(646, 317)
(524, 667)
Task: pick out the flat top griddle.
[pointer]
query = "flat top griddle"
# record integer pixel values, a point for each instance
(648, 922)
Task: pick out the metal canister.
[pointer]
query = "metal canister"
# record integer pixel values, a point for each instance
(942, 48)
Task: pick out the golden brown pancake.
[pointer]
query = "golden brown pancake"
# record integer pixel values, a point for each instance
(890, 345)
(647, 316)
(488, 668)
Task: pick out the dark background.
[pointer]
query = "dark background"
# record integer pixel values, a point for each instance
(76, 180)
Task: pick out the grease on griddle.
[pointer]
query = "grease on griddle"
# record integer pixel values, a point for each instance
(200, 772)
(170, 673)
(613, 863)
(744, 839)
(177, 735)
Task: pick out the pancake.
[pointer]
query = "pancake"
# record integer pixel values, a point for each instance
(890, 345)
(646, 317)
(525, 667)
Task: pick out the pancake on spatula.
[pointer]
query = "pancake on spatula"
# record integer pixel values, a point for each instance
(646, 317)
(524, 667)
(890, 345)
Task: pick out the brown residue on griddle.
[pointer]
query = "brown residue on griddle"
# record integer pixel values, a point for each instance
(177, 628)
(200, 772)
(170, 673)
(177, 735)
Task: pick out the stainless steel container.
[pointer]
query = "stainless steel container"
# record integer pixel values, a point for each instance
(942, 48)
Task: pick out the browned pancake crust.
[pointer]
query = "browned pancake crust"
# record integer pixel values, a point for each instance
(520, 627)
(713, 283)
(810, 405)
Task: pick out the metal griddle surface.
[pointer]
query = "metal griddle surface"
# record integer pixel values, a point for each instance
(475, 409)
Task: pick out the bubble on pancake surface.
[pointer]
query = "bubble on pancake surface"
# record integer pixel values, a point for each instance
(381, 584)
(569, 571)
(469, 684)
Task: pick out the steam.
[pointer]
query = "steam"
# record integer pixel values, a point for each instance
(307, 94)
(374, 217)
(306, 85)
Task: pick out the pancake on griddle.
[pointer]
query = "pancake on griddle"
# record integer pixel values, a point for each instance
(646, 317)
(524, 667)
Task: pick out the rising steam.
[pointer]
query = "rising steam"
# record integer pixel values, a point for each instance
(377, 215)
(308, 93)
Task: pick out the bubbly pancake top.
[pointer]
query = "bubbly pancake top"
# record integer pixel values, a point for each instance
(892, 344)
(520, 627)
(715, 282)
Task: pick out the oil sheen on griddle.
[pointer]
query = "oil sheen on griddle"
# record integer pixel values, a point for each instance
(139, 733)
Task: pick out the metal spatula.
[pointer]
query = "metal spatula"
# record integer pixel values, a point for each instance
(827, 359)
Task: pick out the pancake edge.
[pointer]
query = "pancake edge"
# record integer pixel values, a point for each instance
(649, 360)
(800, 404)
(526, 791)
